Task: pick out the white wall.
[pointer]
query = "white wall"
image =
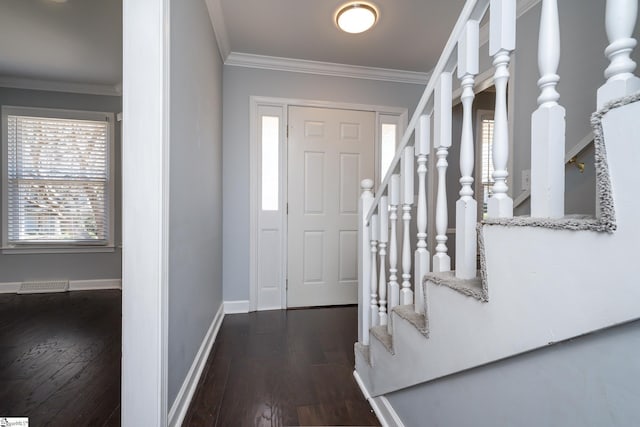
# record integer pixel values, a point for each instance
(76, 266)
(590, 381)
(241, 83)
(195, 217)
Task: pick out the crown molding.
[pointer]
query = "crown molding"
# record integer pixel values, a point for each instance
(55, 86)
(238, 59)
(219, 28)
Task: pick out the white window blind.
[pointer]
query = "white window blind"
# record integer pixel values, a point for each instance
(486, 161)
(57, 180)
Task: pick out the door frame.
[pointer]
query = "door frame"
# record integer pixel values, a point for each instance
(383, 114)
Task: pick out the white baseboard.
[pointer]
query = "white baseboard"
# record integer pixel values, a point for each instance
(91, 285)
(380, 405)
(74, 285)
(185, 394)
(10, 287)
(233, 307)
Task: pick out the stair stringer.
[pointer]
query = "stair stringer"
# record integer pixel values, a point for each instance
(545, 286)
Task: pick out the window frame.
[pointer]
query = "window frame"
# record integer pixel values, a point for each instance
(62, 246)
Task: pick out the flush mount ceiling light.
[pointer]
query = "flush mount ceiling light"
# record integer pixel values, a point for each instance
(356, 17)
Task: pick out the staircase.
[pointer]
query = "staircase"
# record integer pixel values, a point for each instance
(541, 279)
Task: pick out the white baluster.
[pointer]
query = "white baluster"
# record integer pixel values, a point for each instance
(422, 256)
(620, 20)
(466, 206)
(394, 289)
(548, 123)
(364, 263)
(442, 142)
(383, 212)
(406, 170)
(501, 42)
(375, 231)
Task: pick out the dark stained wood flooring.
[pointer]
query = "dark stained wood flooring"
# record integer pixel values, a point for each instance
(60, 358)
(282, 368)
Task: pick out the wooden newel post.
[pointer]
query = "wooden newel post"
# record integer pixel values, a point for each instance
(364, 262)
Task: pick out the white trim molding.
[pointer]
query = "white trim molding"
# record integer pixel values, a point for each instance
(10, 287)
(94, 285)
(238, 59)
(219, 28)
(234, 307)
(255, 102)
(381, 406)
(74, 285)
(187, 390)
(55, 86)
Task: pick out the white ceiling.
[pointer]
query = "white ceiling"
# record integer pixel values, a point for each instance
(409, 34)
(80, 41)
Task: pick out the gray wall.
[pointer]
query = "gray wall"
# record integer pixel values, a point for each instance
(590, 381)
(195, 236)
(78, 266)
(241, 83)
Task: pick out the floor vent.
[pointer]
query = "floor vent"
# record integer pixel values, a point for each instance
(44, 287)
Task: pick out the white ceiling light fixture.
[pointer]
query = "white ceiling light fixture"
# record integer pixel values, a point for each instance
(356, 17)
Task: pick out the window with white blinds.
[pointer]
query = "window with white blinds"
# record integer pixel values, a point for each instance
(486, 162)
(57, 177)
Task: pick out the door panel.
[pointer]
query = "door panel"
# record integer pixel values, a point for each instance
(330, 151)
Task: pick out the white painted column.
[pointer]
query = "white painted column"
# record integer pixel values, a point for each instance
(442, 142)
(383, 213)
(620, 21)
(466, 206)
(502, 41)
(422, 256)
(406, 171)
(394, 288)
(364, 262)
(548, 123)
(145, 232)
(374, 231)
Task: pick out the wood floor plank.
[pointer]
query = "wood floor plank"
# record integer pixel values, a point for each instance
(282, 368)
(60, 357)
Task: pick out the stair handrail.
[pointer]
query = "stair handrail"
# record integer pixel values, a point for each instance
(472, 10)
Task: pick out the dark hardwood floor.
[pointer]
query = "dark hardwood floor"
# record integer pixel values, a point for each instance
(60, 365)
(60, 358)
(285, 367)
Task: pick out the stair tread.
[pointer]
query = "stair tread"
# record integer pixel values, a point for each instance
(407, 312)
(382, 335)
(470, 287)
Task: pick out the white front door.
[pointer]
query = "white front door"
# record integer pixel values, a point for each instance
(330, 151)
